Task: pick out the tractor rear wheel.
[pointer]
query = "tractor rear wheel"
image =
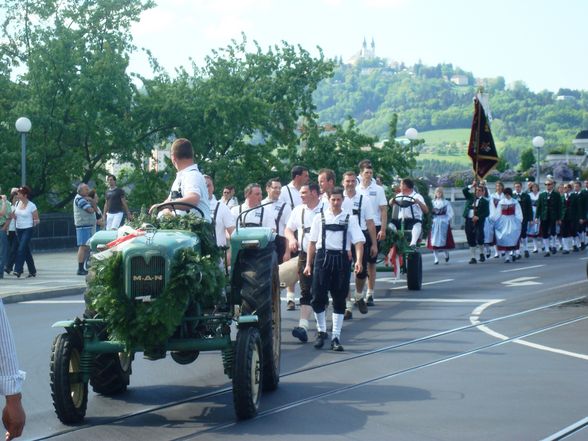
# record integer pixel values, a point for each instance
(68, 390)
(260, 292)
(414, 271)
(111, 373)
(247, 373)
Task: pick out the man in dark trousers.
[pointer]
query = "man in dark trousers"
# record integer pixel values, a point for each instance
(527, 209)
(549, 211)
(475, 212)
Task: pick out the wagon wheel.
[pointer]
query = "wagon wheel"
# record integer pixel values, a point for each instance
(68, 390)
(247, 373)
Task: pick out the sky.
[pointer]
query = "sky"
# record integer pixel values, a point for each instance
(540, 42)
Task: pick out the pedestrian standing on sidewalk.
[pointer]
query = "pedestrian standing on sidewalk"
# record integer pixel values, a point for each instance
(27, 217)
(5, 211)
(115, 205)
(85, 221)
(12, 238)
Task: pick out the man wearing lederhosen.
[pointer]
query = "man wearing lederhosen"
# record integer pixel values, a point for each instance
(282, 211)
(331, 235)
(300, 220)
(359, 205)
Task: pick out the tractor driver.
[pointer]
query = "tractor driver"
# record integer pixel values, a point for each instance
(189, 185)
(413, 214)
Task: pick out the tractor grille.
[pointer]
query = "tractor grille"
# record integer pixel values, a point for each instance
(147, 279)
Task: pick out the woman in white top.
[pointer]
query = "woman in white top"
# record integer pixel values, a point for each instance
(440, 237)
(27, 217)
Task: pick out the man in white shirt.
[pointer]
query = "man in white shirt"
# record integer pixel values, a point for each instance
(413, 214)
(326, 181)
(258, 217)
(189, 185)
(331, 235)
(377, 197)
(300, 220)
(222, 218)
(282, 211)
(291, 192)
(359, 205)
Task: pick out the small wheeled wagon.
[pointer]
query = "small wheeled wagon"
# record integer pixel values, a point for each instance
(164, 290)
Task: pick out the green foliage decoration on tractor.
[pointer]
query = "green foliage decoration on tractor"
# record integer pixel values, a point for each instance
(162, 289)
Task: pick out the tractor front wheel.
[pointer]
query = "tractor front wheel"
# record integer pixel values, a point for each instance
(68, 390)
(247, 373)
(111, 373)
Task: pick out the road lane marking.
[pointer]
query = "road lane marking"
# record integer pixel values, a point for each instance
(521, 269)
(475, 319)
(433, 300)
(571, 429)
(426, 283)
(522, 281)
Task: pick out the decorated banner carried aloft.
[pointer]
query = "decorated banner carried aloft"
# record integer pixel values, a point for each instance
(481, 148)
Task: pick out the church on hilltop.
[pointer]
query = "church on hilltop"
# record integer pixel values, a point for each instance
(365, 53)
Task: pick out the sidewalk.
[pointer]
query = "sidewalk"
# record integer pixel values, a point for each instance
(56, 275)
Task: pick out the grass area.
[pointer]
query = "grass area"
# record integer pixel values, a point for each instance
(460, 159)
(436, 137)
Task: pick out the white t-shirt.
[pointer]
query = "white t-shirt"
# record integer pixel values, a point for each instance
(190, 180)
(334, 239)
(281, 218)
(290, 195)
(24, 216)
(261, 216)
(377, 198)
(414, 211)
(365, 211)
(224, 219)
(296, 223)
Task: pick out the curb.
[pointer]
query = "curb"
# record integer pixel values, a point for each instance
(41, 295)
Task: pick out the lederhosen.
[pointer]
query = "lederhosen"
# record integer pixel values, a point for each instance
(366, 246)
(214, 214)
(250, 224)
(305, 281)
(474, 231)
(408, 223)
(281, 241)
(331, 270)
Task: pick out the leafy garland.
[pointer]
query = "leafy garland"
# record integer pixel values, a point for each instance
(194, 277)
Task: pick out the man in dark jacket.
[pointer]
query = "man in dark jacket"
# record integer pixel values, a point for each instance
(475, 212)
(549, 208)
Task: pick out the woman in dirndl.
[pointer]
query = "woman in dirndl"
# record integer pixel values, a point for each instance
(440, 237)
(508, 218)
(533, 226)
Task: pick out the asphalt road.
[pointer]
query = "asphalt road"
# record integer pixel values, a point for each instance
(416, 367)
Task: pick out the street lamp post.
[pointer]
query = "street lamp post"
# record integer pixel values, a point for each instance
(538, 143)
(23, 126)
(412, 134)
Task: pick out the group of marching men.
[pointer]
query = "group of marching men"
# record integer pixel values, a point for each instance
(324, 231)
(510, 220)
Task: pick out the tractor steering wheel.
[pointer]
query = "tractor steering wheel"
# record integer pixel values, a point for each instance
(403, 201)
(172, 204)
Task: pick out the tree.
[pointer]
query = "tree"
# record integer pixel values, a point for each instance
(527, 160)
(75, 87)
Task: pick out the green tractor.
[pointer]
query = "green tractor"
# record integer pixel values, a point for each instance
(398, 240)
(163, 292)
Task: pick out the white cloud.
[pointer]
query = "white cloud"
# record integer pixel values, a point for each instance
(228, 27)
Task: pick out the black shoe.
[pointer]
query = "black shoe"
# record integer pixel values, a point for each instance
(482, 258)
(487, 255)
(362, 306)
(348, 315)
(31, 275)
(320, 339)
(576, 249)
(436, 262)
(7, 271)
(547, 254)
(370, 301)
(291, 306)
(336, 346)
(82, 272)
(446, 258)
(17, 274)
(553, 250)
(300, 333)
(526, 254)
(472, 261)
(535, 251)
(565, 252)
